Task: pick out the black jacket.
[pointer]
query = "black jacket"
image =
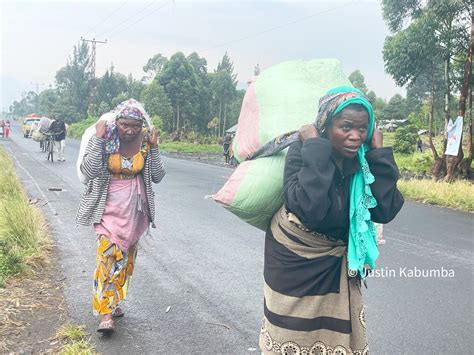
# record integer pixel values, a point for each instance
(317, 192)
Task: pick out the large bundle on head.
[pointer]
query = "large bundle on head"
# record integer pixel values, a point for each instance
(110, 118)
(281, 99)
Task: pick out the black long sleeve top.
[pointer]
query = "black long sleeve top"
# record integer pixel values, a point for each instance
(317, 191)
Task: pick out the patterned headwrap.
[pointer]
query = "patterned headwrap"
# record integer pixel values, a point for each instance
(129, 109)
(362, 245)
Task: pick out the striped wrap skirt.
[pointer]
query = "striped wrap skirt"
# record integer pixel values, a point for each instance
(311, 305)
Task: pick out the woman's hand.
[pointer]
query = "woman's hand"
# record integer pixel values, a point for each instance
(377, 138)
(308, 131)
(154, 138)
(100, 129)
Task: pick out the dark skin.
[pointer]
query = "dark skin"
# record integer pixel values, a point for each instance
(131, 138)
(347, 132)
(130, 134)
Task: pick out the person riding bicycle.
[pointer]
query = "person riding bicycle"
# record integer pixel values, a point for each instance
(58, 127)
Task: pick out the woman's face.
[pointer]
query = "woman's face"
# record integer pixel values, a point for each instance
(348, 131)
(128, 129)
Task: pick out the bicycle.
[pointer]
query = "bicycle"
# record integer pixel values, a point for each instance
(48, 145)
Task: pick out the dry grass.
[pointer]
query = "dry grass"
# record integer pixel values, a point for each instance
(459, 194)
(77, 340)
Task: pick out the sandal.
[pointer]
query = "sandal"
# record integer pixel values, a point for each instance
(106, 327)
(118, 312)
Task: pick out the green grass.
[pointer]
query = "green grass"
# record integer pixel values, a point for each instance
(417, 162)
(459, 194)
(183, 147)
(23, 233)
(76, 130)
(77, 340)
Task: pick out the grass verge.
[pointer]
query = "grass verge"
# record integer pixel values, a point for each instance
(183, 147)
(459, 194)
(23, 231)
(76, 340)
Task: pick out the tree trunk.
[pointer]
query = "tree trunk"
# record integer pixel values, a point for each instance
(465, 164)
(431, 118)
(177, 119)
(225, 118)
(220, 115)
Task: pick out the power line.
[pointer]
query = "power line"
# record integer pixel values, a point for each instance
(276, 27)
(101, 22)
(140, 19)
(128, 19)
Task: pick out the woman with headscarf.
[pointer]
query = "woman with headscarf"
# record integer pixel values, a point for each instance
(338, 180)
(119, 165)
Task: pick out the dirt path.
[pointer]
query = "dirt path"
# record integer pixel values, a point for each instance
(32, 311)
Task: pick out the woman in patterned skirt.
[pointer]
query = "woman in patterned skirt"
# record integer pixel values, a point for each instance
(338, 180)
(120, 164)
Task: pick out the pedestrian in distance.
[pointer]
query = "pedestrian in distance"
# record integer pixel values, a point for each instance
(419, 145)
(338, 180)
(226, 148)
(58, 127)
(120, 163)
(7, 128)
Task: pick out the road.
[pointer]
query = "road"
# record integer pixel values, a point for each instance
(206, 265)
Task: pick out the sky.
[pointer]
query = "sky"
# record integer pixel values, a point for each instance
(37, 37)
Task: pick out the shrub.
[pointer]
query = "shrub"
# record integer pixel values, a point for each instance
(405, 140)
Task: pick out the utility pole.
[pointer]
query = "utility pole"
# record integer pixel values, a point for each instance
(92, 102)
(37, 94)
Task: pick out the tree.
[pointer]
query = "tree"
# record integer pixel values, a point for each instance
(73, 85)
(111, 85)
(226, 65)
(134, 88)
(157, 103)
(395, 109)
(48, 100)
(357, 79)
(223, 92)
(180, 83)
(154, 65)
(433, 30)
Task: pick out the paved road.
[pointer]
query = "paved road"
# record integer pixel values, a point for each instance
(206, 265)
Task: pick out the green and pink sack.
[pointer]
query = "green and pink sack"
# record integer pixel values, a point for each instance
(281, 99)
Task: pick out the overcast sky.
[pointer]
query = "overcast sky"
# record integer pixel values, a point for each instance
(38, 36)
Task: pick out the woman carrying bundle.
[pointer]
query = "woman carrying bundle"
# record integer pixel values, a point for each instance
(338, 180)
(120, 164)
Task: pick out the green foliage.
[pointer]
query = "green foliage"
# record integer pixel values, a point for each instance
(418, 163)
(184, 147)
(154, 65)
(73, 85)
(405, 140)
(358, 80)
(109, 87)
(22, 228)
(157, 103)
(76, 130)
(157, 123)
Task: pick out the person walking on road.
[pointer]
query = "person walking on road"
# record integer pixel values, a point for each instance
(120, 164)
(226, 146)
(58, 127)
(338, 180)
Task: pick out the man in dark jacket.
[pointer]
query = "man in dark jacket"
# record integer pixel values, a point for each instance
(58, 127)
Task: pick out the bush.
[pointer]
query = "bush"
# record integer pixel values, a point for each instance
(76, 130)
(405, 140)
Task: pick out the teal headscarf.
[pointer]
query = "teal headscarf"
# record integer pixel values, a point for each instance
(362, 244)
